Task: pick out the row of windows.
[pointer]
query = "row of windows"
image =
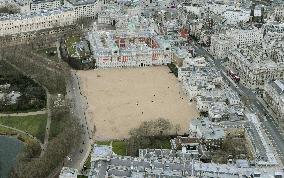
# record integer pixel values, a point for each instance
(36, 26)
(32, 20)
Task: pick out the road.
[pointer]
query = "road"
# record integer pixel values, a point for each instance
(269, 124)
(79, 107)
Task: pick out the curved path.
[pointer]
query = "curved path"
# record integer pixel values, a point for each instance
(24, 133)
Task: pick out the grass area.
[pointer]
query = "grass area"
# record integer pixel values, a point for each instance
(6, 131)
(71, 45)
(9, 132)
(82, 176)
(34, 125)
(119, 147)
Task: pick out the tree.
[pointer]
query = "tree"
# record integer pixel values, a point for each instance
(177, 128)
(150, 134)
(9, 8)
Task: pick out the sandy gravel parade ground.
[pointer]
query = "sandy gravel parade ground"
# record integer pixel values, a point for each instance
(120, 99)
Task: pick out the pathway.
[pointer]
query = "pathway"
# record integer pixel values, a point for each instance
(23, 132)
(48, 122)
(24, 113)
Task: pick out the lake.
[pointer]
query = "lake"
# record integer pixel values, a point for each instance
(9, 148)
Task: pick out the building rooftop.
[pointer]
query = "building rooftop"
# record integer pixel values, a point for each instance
(101, 152)
(10, 17)
(81, 2)
(207, 129)
(43, 1)
(67, 172)
(278, 85)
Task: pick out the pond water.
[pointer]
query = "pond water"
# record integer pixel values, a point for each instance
(9, 148)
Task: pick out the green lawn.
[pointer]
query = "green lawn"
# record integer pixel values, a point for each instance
(10, 132)
(34, 125)
(82, 176)
(70, 43)
(119, 147)
(6, 131)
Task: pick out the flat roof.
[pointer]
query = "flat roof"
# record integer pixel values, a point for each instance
(81, 2)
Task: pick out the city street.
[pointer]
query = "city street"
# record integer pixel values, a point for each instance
(269, 123)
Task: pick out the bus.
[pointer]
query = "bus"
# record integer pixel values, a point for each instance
(233, 76)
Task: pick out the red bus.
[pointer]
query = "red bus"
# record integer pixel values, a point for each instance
(233, 76)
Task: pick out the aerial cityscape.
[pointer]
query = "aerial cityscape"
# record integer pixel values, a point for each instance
(141, 88)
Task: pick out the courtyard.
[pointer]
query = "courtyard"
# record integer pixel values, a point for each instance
(120, 99)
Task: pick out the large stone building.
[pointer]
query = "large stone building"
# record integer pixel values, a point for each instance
(28, 6)
(43, 14)
(234, 17)
(279, 12)
(129, 49)
(67, 172)
(208, 132)
(246, 36)
(110, 14)
(41, 5)
(274, 96)
(22, 23)
(84, 8)
(254, 66)
(221, 44)
(274, 27)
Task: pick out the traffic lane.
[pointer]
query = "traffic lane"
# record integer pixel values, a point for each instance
(278, 142)
(257, 105)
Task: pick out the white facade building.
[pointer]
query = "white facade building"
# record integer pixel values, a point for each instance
(217, 8)
(41, 5)
(221, 44)
(17, 23)
(67, 172)
(28, 6)
(246, 36)
(84, 8)
(110, 14)
(233, 97)
(234, 17)
(254, 67)
(197, 10)
(129, 49)
(274, 96)
(279, 12)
